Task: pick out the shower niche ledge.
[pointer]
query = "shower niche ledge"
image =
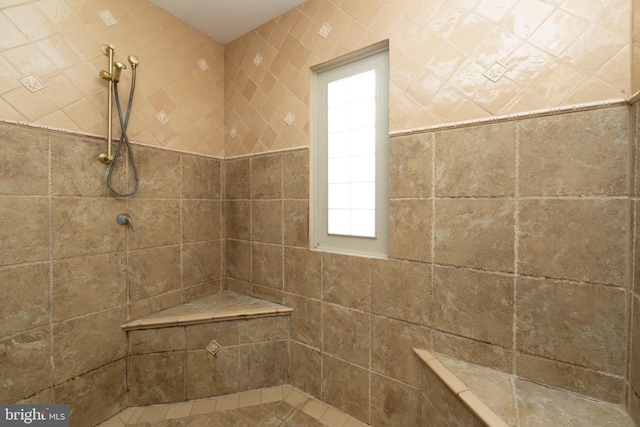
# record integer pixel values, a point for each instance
(219, 307)
(462, 393)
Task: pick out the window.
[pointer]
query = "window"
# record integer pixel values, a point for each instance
(349, 155)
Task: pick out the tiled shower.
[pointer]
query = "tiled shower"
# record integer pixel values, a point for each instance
(513, 242)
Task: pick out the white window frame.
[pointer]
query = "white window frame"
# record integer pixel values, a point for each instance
(374, 57)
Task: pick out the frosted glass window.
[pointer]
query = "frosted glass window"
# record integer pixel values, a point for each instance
(340, 144)
(339, 170)
(363, 222)
(363, 168)
(349, 153)
(339, 118)
(362, 114)
(363, 141)
(339, 221)
(351, 119)
(363, 85)
(339, 196)
(363, 196)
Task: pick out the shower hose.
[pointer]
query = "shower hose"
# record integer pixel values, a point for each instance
(124, 139)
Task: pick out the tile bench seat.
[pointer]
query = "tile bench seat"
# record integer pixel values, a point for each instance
(458, 393)
(221, 306)
(168, 359)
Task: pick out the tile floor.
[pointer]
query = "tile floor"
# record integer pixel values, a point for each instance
(283, 406)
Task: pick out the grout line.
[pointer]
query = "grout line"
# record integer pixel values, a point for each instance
(250, 241)
(631, 255)
(322, 308)
(543, 197)
(370, 367)
(182, 242)
(433, 239)
(282, 229)
(516, 258)
(516, 244)
(51, 259)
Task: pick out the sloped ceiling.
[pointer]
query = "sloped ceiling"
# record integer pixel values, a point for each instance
(226, 20)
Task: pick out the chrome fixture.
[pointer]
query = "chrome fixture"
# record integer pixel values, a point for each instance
(113, 77)
(125, 219)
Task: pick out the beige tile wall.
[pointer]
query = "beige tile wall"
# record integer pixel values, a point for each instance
(635, 51)
(71, 274)
(59, 41)
(438, 54)
(633, 311)
(523, 268)
(556, 52)
(171, 364)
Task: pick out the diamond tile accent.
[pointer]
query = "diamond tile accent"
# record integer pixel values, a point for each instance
(258, 59)
(233, 132)
(496, 71)
(31, 82)
(162, 117)
(213, 347)
(324, 30)
(289, 118)
(203, 64)
(107, 17)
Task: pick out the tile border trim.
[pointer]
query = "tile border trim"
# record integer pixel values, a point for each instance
(519, 116)
(204, 317)
(468, 398)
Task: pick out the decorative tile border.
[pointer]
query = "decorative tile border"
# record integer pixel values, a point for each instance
(520, 116)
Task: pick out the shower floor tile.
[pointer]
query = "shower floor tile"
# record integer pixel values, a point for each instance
(282, 406)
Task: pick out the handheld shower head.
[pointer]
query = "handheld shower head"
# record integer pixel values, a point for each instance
(117, 69)
(134, 61)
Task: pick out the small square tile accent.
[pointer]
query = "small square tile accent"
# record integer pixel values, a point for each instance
(289, 118)
(324, 30)
(257, 59)
(233, 132)
(107, 17)
(31, 82)
(162, 117)
(213, 347)
(496, 71)
(203, 64)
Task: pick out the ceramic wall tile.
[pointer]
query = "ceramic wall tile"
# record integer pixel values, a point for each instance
(600, 349)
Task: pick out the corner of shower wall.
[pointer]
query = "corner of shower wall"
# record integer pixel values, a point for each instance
(632, 389)
(75, 274)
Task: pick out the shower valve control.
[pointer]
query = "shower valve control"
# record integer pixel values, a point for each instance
(125, 219)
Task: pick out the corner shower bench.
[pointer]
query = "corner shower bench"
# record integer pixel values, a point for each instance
(464, 394)
(218, 307)
(220, 344)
